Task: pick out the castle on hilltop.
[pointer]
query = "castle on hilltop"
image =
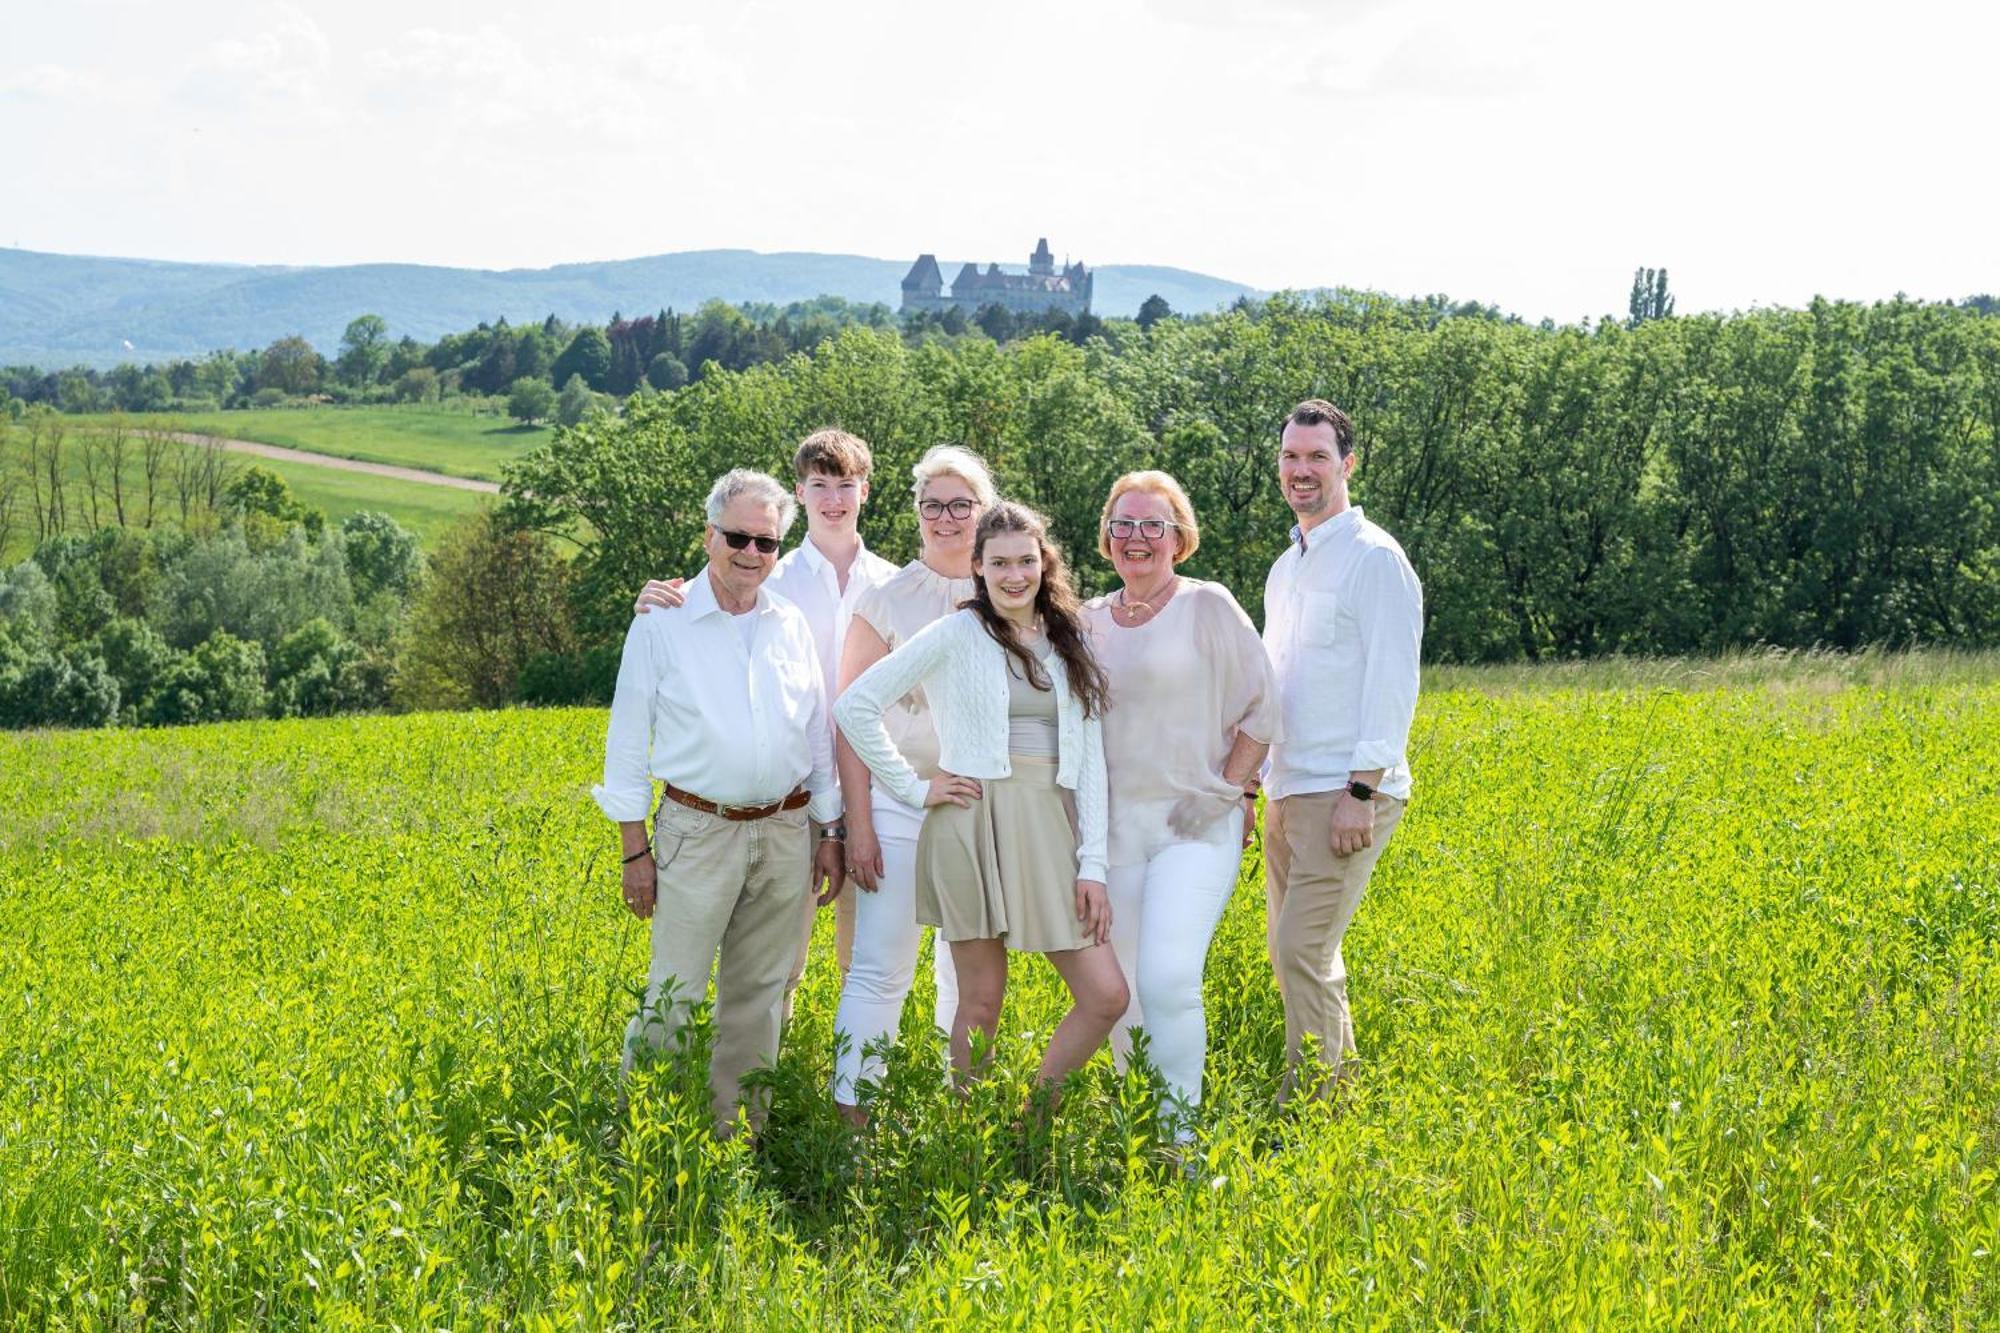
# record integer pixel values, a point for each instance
(1041, 288)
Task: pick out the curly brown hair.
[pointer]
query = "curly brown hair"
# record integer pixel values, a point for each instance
(1055, 602)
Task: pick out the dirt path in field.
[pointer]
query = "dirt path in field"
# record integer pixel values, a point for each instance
(284, 455)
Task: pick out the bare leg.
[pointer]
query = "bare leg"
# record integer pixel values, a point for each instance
(1097, 987)
(982, 984)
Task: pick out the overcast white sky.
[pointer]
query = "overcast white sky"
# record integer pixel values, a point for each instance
(1528, 154)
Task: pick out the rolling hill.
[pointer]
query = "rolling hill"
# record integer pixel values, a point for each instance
(62, 310)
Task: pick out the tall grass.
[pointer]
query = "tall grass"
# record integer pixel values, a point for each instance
(1677, 1007)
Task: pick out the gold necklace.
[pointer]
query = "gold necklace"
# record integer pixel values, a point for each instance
(1132, 608)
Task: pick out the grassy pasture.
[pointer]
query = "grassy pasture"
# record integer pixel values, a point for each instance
(457, 443)
(424, 509)
(1679, 1006)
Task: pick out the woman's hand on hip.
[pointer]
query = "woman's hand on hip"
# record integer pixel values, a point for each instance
(949, 787)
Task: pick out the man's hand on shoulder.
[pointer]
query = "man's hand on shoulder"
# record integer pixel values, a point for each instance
(657, 592)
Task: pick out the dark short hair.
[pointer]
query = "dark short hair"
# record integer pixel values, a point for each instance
(833, 453)
(1319, 412)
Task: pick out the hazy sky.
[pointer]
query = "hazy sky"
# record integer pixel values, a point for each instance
(1527, 154)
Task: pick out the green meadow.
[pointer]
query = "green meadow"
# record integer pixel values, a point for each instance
(1679, 1003)
(456, 442)
(425, 509)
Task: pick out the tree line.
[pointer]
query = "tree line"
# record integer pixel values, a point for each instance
(1667, 484)
(547, 370)
(1662, 484)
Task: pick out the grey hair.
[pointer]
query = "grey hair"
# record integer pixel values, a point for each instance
(951, 460)
(762, 487)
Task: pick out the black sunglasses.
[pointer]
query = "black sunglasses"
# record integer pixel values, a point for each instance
(738, 540)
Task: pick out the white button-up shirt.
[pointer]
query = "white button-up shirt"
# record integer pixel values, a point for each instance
(737, 723)
(808, 580)
(1344, 623)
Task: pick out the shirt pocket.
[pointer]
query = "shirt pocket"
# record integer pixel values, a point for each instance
(1319, 613)
(795, 682)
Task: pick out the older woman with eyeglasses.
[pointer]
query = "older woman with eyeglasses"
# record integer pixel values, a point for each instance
(951, 490)
(1194, 708)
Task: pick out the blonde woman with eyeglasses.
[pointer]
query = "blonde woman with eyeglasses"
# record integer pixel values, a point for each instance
(951, 488)
(1194, 709)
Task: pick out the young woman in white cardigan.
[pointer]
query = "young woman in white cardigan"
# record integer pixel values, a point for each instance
(1016, 698)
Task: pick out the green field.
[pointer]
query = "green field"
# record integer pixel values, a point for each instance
(457, 443)
(1678, 1007)
(425, 509)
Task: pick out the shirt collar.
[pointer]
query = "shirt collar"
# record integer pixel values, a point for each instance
(1341, 522)
(701, 597)
(817, 562)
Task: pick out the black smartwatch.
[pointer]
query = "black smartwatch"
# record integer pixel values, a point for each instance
(1361, 791)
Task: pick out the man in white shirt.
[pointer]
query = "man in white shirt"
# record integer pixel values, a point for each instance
(824, 576)
(1343, 620)
(722, 700)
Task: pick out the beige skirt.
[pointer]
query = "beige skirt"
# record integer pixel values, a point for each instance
(1005, 866)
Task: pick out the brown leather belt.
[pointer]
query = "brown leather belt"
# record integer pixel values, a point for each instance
(739, 813)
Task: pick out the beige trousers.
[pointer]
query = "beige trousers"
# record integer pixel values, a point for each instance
(1311, 895)
(843, 938)
(735, 888)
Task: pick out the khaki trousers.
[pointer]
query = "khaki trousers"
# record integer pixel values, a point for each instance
(843, 938)
(732, 887)
(1311, 895)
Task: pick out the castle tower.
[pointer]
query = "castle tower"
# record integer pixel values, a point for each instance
(923, 284)
(1042, 264)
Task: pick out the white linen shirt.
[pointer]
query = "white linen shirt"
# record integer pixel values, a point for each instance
(1344, 623)
(808, 580)
(734, 722)
(964, 677)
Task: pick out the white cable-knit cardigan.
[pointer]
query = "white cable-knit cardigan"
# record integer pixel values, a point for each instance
(963, 673)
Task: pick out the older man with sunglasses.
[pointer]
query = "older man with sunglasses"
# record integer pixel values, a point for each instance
(722, 701)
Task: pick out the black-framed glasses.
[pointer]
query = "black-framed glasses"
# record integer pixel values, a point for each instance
(1152, 529)
(738, 540)
(960, 509)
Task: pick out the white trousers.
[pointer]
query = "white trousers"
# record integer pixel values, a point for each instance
(1163, 914)
(886, 936)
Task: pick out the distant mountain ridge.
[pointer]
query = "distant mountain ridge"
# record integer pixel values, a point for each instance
(64, 310)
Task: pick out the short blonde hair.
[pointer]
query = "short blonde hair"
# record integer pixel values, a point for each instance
(1187, 537)
(951, 460)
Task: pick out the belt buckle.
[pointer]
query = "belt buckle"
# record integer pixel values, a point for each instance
(723, 811)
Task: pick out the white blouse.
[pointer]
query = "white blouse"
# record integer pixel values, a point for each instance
(1183, 685)
(963, 673)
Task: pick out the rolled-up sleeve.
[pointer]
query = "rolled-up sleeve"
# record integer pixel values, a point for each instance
(1389, 610)
(626, 793)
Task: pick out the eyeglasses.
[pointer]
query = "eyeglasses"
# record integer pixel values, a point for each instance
(1152, 529)
(738, 540)
(960, 509)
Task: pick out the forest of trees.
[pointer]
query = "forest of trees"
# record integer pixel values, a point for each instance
(549, 370)
(1827, 476)
(1663, 484)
